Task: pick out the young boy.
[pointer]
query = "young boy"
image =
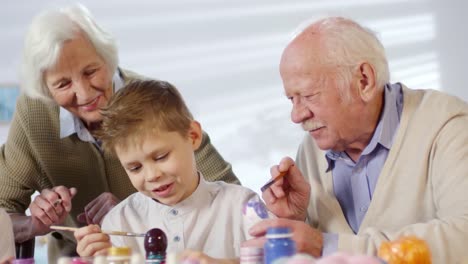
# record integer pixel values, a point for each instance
(154, 135)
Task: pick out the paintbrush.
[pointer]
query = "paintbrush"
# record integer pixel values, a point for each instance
(268, 184)
(111, 233)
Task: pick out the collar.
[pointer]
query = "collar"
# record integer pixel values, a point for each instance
(386, 127)
(70, 124)
(202, 196)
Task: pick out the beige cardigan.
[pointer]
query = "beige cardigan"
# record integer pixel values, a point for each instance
(422, 189)
(34, 157)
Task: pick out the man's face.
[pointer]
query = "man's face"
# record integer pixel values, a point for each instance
(163, 166)
(317, 103)
(320, 110)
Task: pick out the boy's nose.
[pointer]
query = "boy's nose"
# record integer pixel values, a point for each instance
(152, 174)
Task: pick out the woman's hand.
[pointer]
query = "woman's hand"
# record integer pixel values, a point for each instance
(91, 241)
(98, 208)
(7, 260)
(51, 207)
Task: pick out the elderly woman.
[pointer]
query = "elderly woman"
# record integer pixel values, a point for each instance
(70, 70)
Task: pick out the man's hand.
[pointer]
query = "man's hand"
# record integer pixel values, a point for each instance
(50, 207)
(96, 210)
(289, 196)
(91, 241)
(308, 240)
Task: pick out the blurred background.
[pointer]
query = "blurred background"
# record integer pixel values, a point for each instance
(224, 55)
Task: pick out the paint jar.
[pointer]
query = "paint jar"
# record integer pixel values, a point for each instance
(64, 260)
(79, 260)
(119, 255)
(279, 244)
(251, 255)
(23, 261)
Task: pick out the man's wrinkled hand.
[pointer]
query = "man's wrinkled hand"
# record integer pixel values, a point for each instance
(289, 196)
(308, 240)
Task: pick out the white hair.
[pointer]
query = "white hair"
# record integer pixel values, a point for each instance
(346, 45)
(44, 41)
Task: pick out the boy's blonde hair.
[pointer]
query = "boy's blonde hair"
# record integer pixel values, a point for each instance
(141, 108)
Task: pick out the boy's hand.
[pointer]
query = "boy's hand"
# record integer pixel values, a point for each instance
(190, 256)
(91, 242)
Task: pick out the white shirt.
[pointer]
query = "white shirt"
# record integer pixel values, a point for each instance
(210, 220)
(7, 240)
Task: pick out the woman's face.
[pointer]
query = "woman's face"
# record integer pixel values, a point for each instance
(80, 81)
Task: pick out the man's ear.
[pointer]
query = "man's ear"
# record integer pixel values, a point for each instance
(365, 81)
(195, 134)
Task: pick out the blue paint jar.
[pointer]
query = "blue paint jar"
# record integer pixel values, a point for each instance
(279, 244)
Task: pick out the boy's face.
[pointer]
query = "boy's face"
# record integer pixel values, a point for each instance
(163, 166)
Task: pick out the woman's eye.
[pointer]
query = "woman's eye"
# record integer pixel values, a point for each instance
(90, 72)
(62, 84)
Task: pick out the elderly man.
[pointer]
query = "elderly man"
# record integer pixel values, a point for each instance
(382, 160)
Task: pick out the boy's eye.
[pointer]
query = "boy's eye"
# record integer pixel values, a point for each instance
(162, 157)
(134, 168)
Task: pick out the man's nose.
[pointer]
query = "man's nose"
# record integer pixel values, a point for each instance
(299, 112)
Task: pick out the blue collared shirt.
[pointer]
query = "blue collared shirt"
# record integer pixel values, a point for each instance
(70, 124)
(354, 182)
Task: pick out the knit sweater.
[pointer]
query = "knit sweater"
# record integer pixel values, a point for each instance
(422, 189)
(34, 157)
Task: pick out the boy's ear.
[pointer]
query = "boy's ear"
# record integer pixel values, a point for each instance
(195, 134)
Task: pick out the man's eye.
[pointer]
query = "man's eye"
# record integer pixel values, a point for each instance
(311, 96)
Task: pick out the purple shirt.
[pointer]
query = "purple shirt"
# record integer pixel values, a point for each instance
(354, 182)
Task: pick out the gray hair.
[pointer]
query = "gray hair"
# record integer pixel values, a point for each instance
(346, 45)
(44, 41)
